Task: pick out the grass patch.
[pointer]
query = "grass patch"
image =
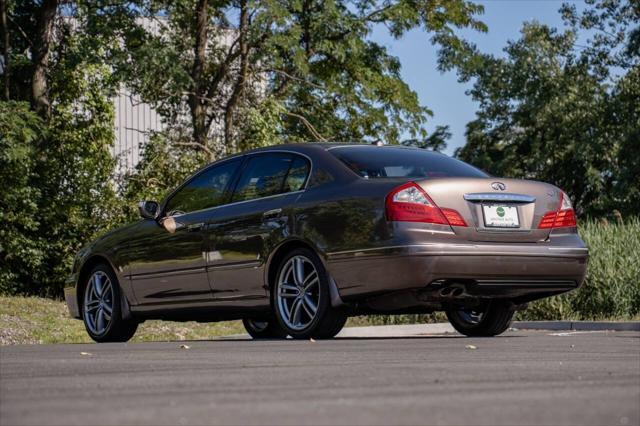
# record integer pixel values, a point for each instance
(38, 320)
(612, 286)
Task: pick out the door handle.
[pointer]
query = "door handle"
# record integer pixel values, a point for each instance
(195, 227)
(270, 214)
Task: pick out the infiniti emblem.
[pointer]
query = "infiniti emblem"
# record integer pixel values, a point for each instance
(498, 186)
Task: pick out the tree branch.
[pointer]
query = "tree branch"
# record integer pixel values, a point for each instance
(307, 124)
(6, 66)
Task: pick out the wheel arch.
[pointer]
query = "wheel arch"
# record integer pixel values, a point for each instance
(83, 275)
(280, 251)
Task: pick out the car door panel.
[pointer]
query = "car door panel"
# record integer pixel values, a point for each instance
(166, 266)
(242, 233)
(240, 237)
(167, 257)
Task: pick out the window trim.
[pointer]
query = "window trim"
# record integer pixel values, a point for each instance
(255, 154)
(235, 178)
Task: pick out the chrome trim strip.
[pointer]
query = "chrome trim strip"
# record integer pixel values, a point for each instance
(148, 275)
(472, 250)
(490, 196)
(238, 202)
(393, 247)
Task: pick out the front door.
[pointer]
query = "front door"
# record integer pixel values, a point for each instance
(167, 257)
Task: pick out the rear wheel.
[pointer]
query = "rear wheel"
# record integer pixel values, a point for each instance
(264, 329)
(489, 319)
(102, 310)
(301, 298)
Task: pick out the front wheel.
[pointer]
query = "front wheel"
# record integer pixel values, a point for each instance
(101, 308)
(301, 298)
(489, 319)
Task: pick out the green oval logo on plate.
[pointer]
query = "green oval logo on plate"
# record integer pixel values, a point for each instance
(500, 211)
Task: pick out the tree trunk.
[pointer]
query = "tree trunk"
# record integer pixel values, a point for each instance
(229, 141)
(5, 48)
(196, 99)
(40, 57)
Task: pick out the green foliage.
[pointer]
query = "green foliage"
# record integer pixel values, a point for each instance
(554, 110)
(57, 194)
(310, 67)
(57, 170)
(612, 286)
(21, 131)
(164, 165)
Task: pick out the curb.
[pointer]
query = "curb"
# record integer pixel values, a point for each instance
(415, 330)
(577, 325)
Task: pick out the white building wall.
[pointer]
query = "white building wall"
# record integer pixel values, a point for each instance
(134, 122)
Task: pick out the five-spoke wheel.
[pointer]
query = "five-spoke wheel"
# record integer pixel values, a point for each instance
(98, 303)
(301, 297)
(102, 310)
(298, 293)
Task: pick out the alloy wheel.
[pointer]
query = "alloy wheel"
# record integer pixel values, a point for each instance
(98, 303)
(298, 293)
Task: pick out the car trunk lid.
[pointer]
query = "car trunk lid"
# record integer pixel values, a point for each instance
(505, 210)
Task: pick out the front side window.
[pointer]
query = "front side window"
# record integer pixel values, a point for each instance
(271, 174)
(204, 191)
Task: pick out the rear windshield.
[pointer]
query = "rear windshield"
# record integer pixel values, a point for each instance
(380, 162)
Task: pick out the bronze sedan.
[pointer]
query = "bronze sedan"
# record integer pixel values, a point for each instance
(294, 239)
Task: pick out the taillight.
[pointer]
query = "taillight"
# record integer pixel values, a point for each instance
(564, 217)
(409, 203)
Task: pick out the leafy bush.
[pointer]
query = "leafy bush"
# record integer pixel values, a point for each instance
(20, 247)
(57, 194)
(612, 286)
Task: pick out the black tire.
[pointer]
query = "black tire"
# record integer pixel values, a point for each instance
(264, 329)
(117, 329)
(495, 319)
(328, 321)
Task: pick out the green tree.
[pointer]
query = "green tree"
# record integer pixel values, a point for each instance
(310, 66)
(58, 193)
(556, 110)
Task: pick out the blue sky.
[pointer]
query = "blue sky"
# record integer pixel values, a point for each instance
(441, 92)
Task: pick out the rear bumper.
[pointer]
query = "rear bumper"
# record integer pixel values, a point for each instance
(490, 269)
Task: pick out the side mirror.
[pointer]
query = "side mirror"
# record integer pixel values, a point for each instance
(148, 209)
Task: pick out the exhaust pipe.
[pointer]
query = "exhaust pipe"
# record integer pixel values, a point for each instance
(453, 291)
(445, 292)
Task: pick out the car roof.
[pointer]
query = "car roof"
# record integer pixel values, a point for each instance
(331, 145)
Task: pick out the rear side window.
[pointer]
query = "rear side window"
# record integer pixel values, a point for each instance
(382, 162)
(297, 175)
(271, 174)
(203, 191)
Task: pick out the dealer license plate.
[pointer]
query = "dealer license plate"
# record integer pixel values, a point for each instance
(500, 216)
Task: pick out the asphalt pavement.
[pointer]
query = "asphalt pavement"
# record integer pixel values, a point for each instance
(521, 377)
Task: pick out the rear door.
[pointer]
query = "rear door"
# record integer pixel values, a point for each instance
(258, 216)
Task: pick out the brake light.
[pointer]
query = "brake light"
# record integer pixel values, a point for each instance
(564, 217)
(409, 203)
